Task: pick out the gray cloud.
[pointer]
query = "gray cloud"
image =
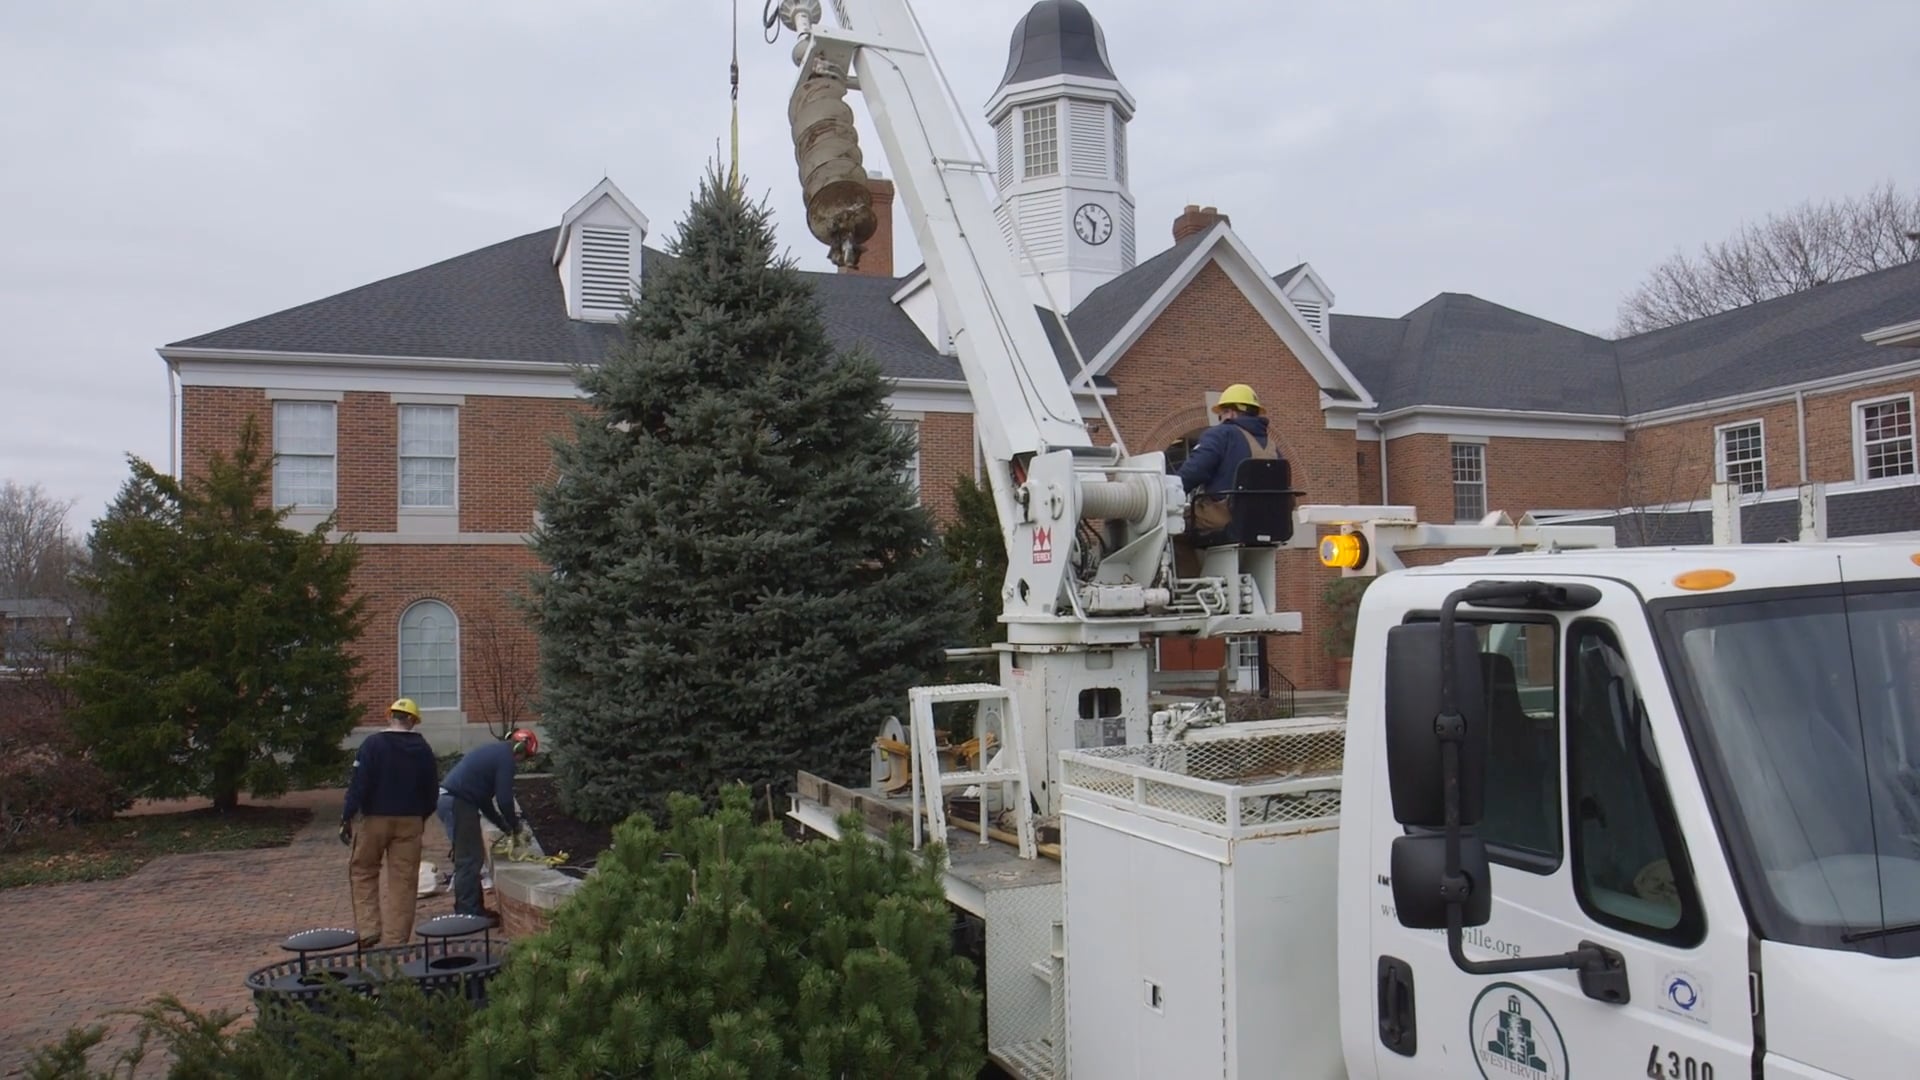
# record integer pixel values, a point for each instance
(169, 169)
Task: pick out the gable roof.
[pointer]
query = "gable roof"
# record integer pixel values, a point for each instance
(1813, 334)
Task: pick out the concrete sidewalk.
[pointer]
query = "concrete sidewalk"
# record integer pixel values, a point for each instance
(189, 925)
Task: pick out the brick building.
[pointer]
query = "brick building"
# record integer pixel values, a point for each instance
(418, 407)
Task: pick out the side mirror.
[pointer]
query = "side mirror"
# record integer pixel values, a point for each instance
(1414, 701)
(1419, 869)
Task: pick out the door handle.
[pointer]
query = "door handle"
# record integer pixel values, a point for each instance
(1398, 1031)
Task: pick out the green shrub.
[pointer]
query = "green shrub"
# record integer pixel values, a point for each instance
(718, 948)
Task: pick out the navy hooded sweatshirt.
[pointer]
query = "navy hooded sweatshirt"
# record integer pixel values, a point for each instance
(1219, 453)
(394, 775)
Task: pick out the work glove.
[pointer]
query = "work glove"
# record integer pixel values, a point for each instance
(346, 833)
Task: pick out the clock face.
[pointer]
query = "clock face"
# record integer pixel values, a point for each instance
(1093, 224)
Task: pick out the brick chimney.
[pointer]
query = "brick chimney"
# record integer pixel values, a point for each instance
(1196, 219)
(876, 258)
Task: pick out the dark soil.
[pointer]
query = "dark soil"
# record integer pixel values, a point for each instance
(538, 798)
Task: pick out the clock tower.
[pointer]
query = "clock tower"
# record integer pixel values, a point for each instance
(1059, 120)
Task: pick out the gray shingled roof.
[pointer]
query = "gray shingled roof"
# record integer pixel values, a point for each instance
(1460, 350)
(1849, 514)
(1057, 37)
(1792, 339)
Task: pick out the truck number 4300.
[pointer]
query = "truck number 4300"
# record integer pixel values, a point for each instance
(1671, 1066)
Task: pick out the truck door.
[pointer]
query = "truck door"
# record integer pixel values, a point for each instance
(1599, 833)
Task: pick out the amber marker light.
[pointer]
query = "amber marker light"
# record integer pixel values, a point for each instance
(1697, 580)
(1344, 551)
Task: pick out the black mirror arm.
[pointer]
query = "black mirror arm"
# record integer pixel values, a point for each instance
(1603, 972)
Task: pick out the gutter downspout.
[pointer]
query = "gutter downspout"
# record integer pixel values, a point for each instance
(1380, 431)
(1800, 429)
(173, 422)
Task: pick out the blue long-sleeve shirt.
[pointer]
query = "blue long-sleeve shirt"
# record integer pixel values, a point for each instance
(1219, 452)
(484, 777)
(394, 775)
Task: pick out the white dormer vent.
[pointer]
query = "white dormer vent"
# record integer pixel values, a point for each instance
(606, 270)
(597, 254)
(1310, 297)
(1315, 314)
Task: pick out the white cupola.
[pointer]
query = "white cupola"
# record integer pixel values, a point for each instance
(1311, 297)
(1059, 119)
(597, 254)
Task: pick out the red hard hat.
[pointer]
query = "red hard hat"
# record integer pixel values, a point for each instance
(524, 738)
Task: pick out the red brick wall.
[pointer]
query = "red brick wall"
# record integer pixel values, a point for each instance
(946, 454)
(1209, 338)
(210, 421)
(1522, 474)
(505, 456)
(478, 581)
(1675, 462)
(368, 478)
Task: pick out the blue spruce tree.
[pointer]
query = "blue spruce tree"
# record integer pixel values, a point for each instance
(741, 584)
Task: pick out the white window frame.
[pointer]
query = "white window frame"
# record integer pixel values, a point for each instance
(1720, 461)
(400, 670)
(401, 457)
(1039, 142)
(1860, 436)
(1243, 660)
(332, 456)
(1454, 446)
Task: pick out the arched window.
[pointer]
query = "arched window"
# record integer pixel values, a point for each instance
(430, 655)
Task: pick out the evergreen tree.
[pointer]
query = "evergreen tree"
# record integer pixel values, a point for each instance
(719, 948)
(214, 658)
(741, 584)
(978, 554)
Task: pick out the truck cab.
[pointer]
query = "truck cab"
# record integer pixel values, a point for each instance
(1702, 764)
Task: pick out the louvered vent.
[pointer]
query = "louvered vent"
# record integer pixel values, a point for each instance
(1003, 215)
(1315, 313)
(1043, 224)
(606, 269)
(1087, 137)
(1119, 148)
(1006, 151)
(1126, 235)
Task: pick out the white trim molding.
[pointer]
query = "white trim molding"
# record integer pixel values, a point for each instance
(1720, 449)
(447, 539)
(1455, 421)
(1775, 395)
(1906, 333)
(427, 399)
(281, 393)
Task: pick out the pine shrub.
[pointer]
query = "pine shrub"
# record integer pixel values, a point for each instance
(719, 948)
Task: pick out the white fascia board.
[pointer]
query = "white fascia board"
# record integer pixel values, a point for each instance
(1058, 86)
(1494, 423)
(1319, 283)
(920, 280)
(1704, 504)
(378, 374)
(1774, 395)
(1238, 263)
(1906, 333)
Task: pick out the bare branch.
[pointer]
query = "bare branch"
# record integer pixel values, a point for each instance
(1807, 246)
(37, 553)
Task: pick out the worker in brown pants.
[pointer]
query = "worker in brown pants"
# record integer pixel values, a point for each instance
(394, 790)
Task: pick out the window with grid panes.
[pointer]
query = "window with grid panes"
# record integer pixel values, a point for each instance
(1743, 458)
(1040, 139)
(1886, 438)
(430, 656)
(1469, 481)
(303, 448)
(429, 454)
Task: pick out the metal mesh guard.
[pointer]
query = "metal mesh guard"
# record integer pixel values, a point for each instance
(1166, 773)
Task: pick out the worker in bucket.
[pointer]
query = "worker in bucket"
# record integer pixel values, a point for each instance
(481, 784)
(390, 796)
(1207, 474)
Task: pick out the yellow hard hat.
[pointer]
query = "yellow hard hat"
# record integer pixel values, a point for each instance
(1238, 394)
(405, 705)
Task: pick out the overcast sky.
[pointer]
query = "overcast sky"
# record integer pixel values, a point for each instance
(169, 169)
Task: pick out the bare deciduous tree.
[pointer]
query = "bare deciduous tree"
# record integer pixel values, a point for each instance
(507, 669)
(1810, 245)
(37, 553)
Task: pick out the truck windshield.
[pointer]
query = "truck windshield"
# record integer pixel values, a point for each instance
(1805, 709)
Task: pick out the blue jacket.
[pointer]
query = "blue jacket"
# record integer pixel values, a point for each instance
(394, 775)
(1220, 451)
(484, 777)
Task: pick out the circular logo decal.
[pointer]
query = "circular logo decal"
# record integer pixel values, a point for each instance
(1514, 1035)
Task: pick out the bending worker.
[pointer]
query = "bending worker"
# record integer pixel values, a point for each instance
(389, 799)
(481, 783)
(1241, 434)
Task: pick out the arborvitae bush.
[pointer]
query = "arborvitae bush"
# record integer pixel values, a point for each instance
(719, 948)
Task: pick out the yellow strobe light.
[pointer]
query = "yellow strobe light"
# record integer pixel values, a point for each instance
(1697, 580)
(1343, 551)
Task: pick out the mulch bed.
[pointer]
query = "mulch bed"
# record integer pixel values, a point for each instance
(538, 798)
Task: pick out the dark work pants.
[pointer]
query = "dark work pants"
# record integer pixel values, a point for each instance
(469, 854)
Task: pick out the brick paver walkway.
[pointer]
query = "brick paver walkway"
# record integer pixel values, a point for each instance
(190, 925)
